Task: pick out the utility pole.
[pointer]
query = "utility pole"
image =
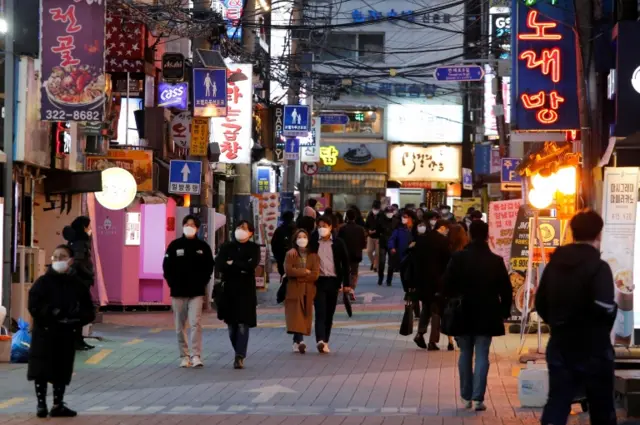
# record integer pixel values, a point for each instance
(9, 101)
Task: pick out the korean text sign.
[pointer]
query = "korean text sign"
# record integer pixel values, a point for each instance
(417, 163)
(233, 132)
(545, 90)
(502, 221)
(72, 60)
(209, 92)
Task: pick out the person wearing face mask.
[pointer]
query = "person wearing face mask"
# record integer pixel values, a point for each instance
(60, 304)
(355, 240)
(384, 229)
(188, 266)
(373, 238)
(400, 240)
(334, 275)
(238, 308)
(78, 237)
(431, 218)
(446, 214)
(302, 268)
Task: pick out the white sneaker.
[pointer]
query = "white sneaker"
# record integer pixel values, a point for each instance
(466, 403)
(296, 347)
(197, 362)
(479, 406)
(185, 362)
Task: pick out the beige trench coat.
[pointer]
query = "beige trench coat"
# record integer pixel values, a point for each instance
(301, 291)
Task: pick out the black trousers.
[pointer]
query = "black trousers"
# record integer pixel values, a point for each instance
(383, 254)
(325, 306)
(570, 373)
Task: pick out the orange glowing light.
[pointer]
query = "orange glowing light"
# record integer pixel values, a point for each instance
(540, 29)
(533, 101)
(549, 62)
(547, 116)
(555, 99)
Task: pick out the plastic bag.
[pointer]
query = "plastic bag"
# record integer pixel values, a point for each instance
(20, 343)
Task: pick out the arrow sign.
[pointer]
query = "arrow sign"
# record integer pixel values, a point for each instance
(459, 73)
(185, 173)
(267, 393)
(368, 297)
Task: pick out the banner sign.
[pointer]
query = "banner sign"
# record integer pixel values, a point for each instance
(72, 60)
(544, 59)
(519, 262)
(619, 203)
(173, 95)
(551, 234)
(210, 92)
(502, 221)
(233, 132)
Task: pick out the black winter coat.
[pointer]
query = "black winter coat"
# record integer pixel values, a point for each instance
(281, 243)
(188, 266)
(239, 302)
(429, 259)
(576, 299)
(480, 277)
(60, 305)
(80, 243)
(372, 225)
(355, 239)
(384, 229)
(340, 257)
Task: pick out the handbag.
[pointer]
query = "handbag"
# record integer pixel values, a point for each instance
(452, 323)
(282, 290)
(406, 327)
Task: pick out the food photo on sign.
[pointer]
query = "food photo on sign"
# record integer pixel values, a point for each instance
(72, 61)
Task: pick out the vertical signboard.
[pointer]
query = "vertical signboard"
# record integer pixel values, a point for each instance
(310, 146)
(619, 212)
(231, 11)
(545, 88)
(233, 132)
(72, 60)
(209, 92)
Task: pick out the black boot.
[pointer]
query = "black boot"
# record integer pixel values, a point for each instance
(62, 411)
(42, 411)
(420, 342)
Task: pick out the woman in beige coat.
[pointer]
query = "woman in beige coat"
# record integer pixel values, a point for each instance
(302, 269)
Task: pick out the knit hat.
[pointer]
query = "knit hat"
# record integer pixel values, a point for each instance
(309, 212)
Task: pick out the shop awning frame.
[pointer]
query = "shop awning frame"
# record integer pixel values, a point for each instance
(354, 183)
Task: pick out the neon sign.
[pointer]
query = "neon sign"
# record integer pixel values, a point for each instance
(545, 97)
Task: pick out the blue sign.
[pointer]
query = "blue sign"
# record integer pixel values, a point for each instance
(209, 92)
(264, 177)
(173, 95)
(334, 119)
(404, 15)
(508, 172)
(292, 148)
(232, 14)
(459, 73)
(467, 179)
(545, 94)
(482, 160)
(296, 120)
(185, 177)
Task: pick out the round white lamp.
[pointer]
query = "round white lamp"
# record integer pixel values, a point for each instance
(119, 189)
(540, 198)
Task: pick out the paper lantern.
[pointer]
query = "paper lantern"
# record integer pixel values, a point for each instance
(119, 189)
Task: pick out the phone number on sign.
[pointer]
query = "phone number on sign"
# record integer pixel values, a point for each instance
(58, 115)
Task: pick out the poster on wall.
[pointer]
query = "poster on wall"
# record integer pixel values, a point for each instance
(619, 205)
(233, 132)
(72, 51)
(461, 206)
(137, 162)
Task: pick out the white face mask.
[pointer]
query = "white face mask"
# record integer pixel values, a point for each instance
(302, 242)
(60, 266)
(444, 212)
(422, 229)
(433, 222)
(389, 215)
(323, 232)
(89, 232)
(241, 235)
(405, 220)
(189, 231)
(375, 212)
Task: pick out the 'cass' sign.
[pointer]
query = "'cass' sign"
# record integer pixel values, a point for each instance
(545, 92)
(233, 132)
(432, 164)
(424, 123)
(173, 95)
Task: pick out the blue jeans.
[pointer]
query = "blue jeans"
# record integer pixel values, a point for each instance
(473, 381)
(239, 336)
(298, 338)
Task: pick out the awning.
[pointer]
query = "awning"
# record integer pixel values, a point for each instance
(355, 183)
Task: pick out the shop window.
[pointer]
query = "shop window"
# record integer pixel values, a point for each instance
(360, 122)
(363, 47)
(128, 131)
(342, 201)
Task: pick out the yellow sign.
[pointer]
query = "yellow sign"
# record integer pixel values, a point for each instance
(329, 155)
(461, 206)
(199, 137)
(137, 162)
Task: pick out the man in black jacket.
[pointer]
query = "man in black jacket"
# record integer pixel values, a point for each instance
(334, 274)
(384, 229)
(576, 299)
(188, 266)
(281, 241)
(372, 234)
(354, 238)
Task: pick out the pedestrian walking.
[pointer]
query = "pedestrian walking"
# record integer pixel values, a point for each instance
(359, 219)
(400, 240)
(282, 240)
(308, 219)
(303, 269)
(458, 239)
(446, 214)
(188, 266)
(373, 238)
(237, 261)
(334, 275)
(60, 304)
(384, 229)
(576, 299)
(429, 255)
(354, 237)
(477, 284)
(78, 236)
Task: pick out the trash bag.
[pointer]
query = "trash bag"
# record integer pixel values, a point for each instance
(20, 343)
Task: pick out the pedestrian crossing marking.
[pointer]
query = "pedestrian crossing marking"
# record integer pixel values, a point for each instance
(12, 402)
(133, 342)
(156, 330)
(98, 357)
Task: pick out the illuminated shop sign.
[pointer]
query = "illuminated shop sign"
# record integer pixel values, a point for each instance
(545, 90)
